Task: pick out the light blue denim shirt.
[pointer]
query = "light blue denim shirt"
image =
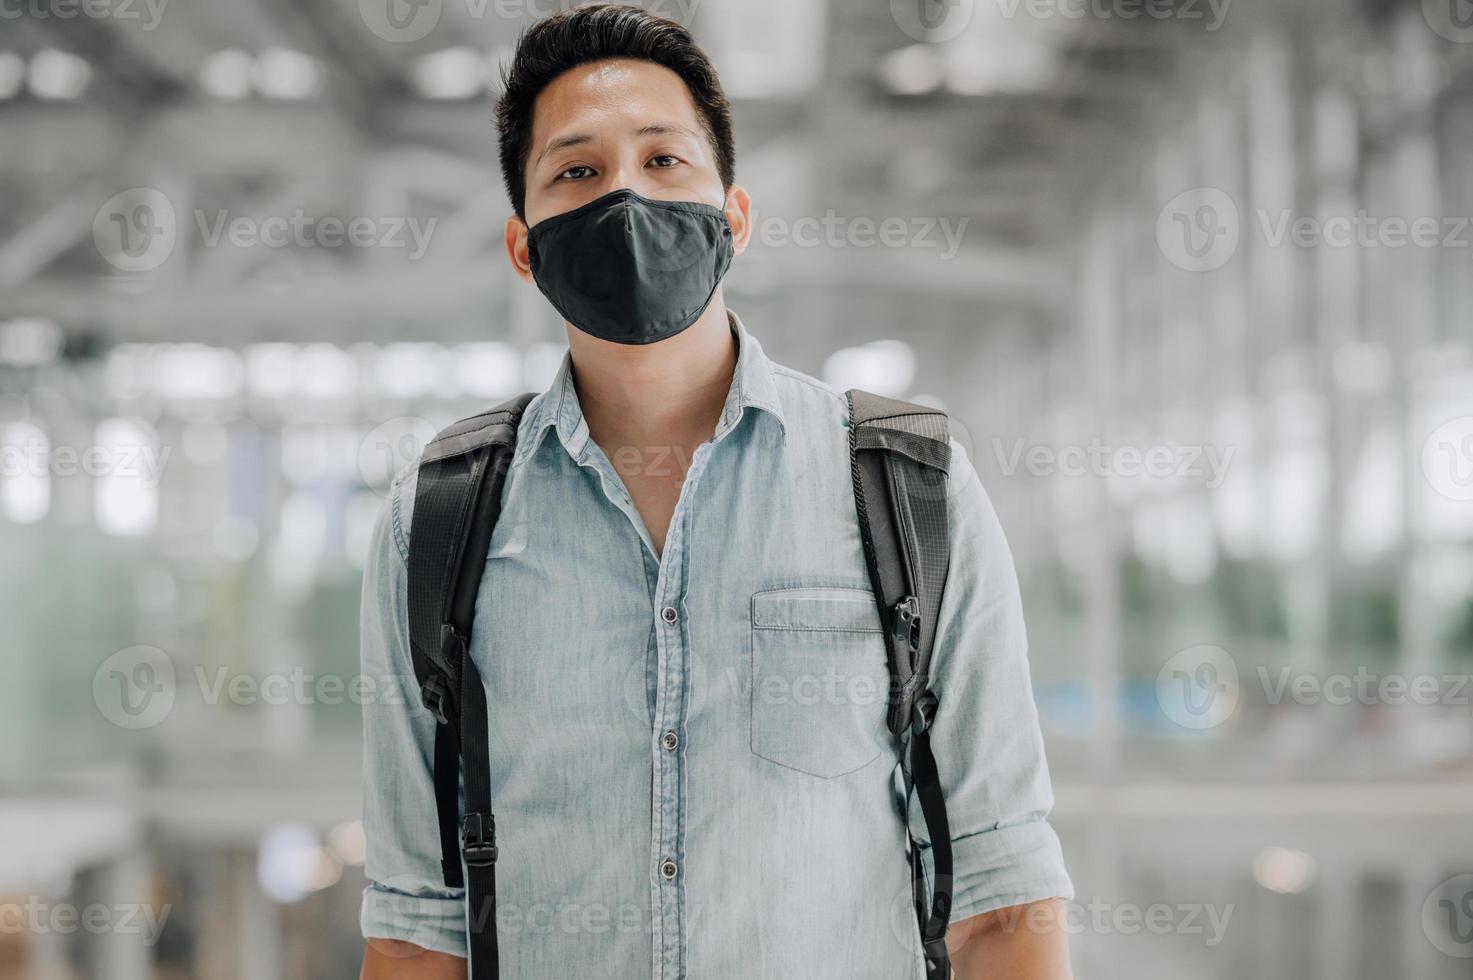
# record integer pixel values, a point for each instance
(745, 741)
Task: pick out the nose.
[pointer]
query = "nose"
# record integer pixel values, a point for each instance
(621, 180)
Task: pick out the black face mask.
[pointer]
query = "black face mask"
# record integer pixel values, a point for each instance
(629, 269)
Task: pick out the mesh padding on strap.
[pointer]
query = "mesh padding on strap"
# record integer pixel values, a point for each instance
(445, 491)
(450, 476)
(901, 455)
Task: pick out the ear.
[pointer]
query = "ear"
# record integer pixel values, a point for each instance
(516, 248)
(738, 210)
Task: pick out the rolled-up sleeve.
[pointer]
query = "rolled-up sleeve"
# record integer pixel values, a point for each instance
(988, 746)
(406, 898)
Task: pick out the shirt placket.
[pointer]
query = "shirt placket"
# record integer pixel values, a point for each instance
(668, 735)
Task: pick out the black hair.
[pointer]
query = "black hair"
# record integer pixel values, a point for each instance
(597, 32)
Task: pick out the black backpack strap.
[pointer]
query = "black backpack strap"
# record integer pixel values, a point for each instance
(900, 455)
(456, 504)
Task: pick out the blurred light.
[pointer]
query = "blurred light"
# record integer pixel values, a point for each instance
(328, 871)
(406, 370)
(236, 538)
(767, 48)
(1191, 550)
(455, 73)
(1298, 475)
(1014, 65)
(326, 371)
(226, 74)
(1297, 485)
(126, 499)
(1235, 504)
(280, 73)
(1285, 871)
(29, 341)
(913, 70)
(25, 482)
(288, 865)
(126, 370)
(271, 369)
(885, 367)
(312, 453)
(195, 371)
(58, 75)
(488, 370)
(1443, 419)
(1373, 499)
(12, 74)
(348, 843)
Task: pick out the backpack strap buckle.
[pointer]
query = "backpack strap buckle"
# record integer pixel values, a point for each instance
(938, 958)
(434, 691)
(907, 625)
(478, 840)
(435, 696)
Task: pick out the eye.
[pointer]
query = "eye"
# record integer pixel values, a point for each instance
(665, 160)
(577, 172)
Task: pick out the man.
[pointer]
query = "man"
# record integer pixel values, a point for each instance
(692, 771)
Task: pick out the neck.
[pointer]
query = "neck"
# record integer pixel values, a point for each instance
(670, 392)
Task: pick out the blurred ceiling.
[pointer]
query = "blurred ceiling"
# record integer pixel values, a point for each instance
(923, 111)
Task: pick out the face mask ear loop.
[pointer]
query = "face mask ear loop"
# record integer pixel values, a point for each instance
(528, 237)
(724, 202)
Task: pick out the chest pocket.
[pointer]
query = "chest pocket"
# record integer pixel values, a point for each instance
(819, 681)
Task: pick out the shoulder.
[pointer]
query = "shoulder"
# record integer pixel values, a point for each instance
(807, 403)
(791, 381)
(403, 487)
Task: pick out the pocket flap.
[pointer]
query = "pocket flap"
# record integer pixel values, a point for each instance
(816, 609)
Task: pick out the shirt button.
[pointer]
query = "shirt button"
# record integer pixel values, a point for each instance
(668, 870)
(670, 740)
(669, 615)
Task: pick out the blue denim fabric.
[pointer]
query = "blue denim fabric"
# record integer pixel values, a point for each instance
(776, 803)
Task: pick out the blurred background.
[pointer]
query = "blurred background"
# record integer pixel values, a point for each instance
(1193, 277)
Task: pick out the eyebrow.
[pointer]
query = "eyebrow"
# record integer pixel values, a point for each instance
(581, 139)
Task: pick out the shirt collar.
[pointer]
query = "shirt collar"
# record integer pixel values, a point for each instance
(752, 386)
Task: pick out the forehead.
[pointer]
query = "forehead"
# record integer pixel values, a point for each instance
(610, 94)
